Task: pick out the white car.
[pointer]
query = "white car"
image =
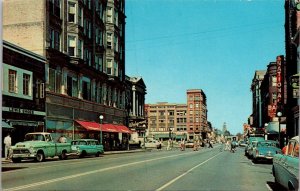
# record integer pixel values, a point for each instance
(153, 144)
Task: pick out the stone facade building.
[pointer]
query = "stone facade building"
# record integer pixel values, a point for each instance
(83, 42)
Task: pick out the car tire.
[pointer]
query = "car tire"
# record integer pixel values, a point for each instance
(40, 157)
(97, 154)
(83, 154)
(16, 160)
(63, 155)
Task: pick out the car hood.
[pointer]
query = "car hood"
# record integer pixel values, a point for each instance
(27, 144)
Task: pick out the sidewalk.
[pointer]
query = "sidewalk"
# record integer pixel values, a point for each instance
(6, 161)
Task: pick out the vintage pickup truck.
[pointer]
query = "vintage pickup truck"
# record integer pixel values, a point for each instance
(38, 146)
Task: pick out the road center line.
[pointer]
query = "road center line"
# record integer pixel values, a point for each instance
(88, 173)
(178, 177)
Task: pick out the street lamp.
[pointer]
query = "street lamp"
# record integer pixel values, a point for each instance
(101, 118)
(144, 126)
(279, 114)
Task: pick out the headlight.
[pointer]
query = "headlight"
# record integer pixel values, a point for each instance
(31, 149)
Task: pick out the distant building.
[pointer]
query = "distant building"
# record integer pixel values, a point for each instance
(196, 113)
(135, 99)
(167, 120)
(256, 98)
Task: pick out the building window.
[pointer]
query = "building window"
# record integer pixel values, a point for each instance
(115, 68)
(26, 84)
(79, 48)
(71, 45)
(54, 7)
(86, 87)
(191, 106)
(99, 62)
(72, 12)
(99, 37)
(116, 18)
(109, 15)
(55, 80)
(116, 43)
(88, 57)
(99, 9)
(80, 11)
(274, 81)
(109, 67)
(54, 39)
(109, 40)
(12, 81)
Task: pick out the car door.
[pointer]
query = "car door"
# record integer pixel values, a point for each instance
(283, 177)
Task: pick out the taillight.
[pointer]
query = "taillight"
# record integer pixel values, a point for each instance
(257, 152)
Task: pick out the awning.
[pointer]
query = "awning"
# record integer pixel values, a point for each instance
(122, 129)
(93, 126)
(6, 125)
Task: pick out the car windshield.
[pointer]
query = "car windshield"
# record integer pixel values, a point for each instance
(267, 144)
(34, 137)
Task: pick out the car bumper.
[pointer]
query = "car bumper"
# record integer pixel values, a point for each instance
(28, 155)
(264, 157)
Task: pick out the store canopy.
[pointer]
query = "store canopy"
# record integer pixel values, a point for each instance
(123, 129)
(93, 126)
(6, 125)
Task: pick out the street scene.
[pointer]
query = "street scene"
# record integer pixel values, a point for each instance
(150, 95)
(206, 169)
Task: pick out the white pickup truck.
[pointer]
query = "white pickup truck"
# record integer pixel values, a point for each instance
(39, 146)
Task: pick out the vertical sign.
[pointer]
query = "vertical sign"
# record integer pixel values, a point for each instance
(279, 61)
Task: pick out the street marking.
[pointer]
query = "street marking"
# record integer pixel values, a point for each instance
(178, 177)
(90, 172)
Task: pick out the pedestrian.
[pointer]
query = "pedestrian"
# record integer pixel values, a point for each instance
(7, 143)
(195, 145)
(227, 145)
(169, 145)
(62, 139)
(210, 144)
(182, 145)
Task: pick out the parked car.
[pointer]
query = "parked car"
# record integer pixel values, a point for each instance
(86, 147)
(286, 166)
(265, 150)
(242, 143)
(153, 144)
(189, 144)
(39, 146)
(249, 145)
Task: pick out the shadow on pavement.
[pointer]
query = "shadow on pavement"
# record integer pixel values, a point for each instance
(276, 187)
(11, 168)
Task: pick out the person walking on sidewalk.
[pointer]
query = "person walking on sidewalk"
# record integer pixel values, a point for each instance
(169, 145)
(7, 143)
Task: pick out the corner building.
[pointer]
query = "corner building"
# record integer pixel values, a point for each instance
(197, 126)
(83, 42)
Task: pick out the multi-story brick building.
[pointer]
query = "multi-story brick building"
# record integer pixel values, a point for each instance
(166, 120)
(196, 113)
(83, 41)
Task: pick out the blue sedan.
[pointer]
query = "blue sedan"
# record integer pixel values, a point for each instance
(286, 166)
(85, 147)
(265, 150)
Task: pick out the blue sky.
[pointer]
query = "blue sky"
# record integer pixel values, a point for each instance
(213, 45)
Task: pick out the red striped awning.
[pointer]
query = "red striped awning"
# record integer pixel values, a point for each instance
(106, 127)
(123, 129)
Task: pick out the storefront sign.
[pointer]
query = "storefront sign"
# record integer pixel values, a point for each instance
(23, 111)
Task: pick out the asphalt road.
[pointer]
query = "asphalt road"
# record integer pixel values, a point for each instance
(207, 169)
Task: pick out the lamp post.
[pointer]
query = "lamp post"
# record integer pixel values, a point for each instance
(279, 114)
(144, 126)
(101, 118)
